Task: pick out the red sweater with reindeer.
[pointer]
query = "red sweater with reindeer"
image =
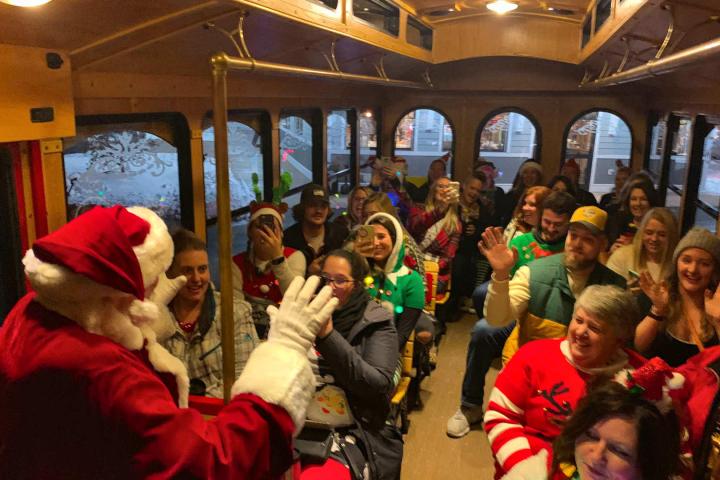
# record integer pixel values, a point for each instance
(533, 396)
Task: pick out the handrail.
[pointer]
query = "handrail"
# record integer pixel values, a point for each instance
(223, 60)
(653, 68)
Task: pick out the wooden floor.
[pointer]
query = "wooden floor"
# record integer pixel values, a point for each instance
(429, 452)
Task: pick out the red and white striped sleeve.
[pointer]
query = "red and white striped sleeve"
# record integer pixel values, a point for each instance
(505, 416)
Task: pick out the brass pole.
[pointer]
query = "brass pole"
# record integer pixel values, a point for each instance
(250, 64)
(222, 180)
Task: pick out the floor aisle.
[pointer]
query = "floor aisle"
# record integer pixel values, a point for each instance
(429, 452)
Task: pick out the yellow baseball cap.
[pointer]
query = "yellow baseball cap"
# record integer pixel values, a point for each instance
(592, 218)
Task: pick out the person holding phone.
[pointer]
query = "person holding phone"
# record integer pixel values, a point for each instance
(638, 197)
(264, 272)
(684, 317)
(437, 227)
(651, 249)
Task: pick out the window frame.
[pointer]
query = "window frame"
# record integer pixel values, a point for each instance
(315, 117)
(180, 140)
(440, 136)
(265, 127)
(566, 131)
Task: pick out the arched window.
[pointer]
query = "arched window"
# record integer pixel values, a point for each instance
(296, 148)
(120, 165)
(367, 139)
(507, 139)
(421, 136)
(709, 190)
(597, 141)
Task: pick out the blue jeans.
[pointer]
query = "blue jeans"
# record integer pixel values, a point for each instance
(486, 344)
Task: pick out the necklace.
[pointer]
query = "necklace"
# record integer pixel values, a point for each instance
(188, 326)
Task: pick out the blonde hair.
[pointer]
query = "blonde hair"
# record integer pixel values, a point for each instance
(640, 257)
(451, 220)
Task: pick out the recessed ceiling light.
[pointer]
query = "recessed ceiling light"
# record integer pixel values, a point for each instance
(451, 9)
(365, 9)
(552, 9)
(502, 7)
(25, 3)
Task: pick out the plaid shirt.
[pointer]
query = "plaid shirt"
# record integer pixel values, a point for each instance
(203, 355)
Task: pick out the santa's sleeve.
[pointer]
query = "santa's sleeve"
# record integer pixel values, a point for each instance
(249, 439)
(504, 420)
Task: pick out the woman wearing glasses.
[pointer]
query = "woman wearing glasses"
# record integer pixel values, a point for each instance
(358, 344)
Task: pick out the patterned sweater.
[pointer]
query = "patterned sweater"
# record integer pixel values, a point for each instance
(533, 396)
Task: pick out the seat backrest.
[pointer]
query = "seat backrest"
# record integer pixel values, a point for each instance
(431, 276)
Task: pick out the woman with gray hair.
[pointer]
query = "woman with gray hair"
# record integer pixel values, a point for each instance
(538, 389)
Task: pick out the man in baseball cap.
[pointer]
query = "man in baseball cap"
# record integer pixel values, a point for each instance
(313, 234)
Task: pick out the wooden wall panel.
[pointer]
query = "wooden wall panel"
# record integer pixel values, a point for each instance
(27, 82)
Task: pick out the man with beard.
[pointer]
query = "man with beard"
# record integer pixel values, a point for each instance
(540, 297)
(313, 235)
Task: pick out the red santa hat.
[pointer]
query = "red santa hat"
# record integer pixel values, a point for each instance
(124, 249)
(103, 254)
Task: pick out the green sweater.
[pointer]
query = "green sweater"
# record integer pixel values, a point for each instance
(530, 247)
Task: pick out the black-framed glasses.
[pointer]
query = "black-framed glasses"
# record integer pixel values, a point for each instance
(337, 281)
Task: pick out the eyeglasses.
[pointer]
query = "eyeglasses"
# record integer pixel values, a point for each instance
(338, 281)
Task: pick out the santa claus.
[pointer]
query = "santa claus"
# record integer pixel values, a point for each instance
(86, 390)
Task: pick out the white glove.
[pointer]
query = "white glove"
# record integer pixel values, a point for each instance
(299, 319)
(166, 289)
(533, 468)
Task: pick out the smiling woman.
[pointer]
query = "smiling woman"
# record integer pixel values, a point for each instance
(538, 389)
(196, 308)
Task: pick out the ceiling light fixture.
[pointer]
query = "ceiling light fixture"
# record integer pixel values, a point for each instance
(451, 9)
(25, 3)
(501, 7)
(551, 9)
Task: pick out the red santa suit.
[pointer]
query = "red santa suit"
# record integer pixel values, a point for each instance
(87, 392)
(533, 396)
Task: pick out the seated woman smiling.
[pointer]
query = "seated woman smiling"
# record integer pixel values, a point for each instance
(358, 352)
(538, 389)
(617, 434)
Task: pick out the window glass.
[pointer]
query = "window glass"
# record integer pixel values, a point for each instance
(679, 155)
(507, 140)
(339, 158)
(602, 13)
(586, 30)
(418, 34)
(597, 141)
(329, 3)
(422, 136)
(709, 190)
(657, 146)
(125, 166)
(381, 14)
(367, 137)
(245, 158)
(296, 149)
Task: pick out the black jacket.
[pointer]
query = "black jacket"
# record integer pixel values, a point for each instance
(364, 363)
(335, 235)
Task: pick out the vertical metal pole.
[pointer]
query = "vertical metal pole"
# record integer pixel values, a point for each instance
(219, 71)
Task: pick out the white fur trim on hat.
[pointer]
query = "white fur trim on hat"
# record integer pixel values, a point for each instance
(281, 376)
(155, 254)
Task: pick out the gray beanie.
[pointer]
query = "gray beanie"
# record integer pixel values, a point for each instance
(699, 238)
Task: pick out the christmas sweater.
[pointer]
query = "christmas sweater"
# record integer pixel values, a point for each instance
(530, 247)
(533, 396)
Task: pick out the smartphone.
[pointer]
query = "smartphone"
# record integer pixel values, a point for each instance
(364, 238)
(267, 220)
(454, 190)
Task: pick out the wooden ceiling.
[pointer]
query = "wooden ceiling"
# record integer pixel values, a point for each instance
(448, 10)
(170, 37)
